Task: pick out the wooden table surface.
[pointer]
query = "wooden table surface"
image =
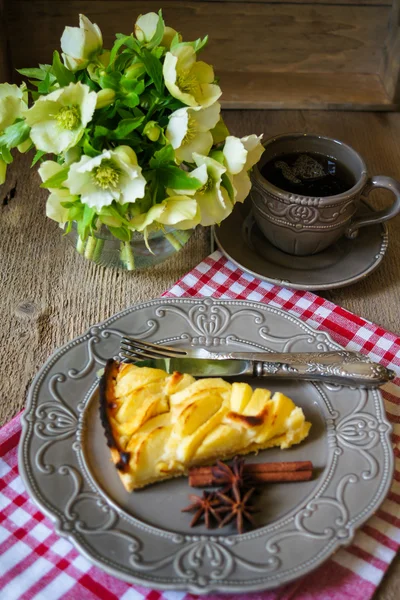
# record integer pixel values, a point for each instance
(50, 294)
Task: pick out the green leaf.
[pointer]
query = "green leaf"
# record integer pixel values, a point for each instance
(38, 156)
(129, 42)
(100, 131)
(121, 233)
(15, 134)
(110, 80)
(115, 210)
(162, 157)
(56, 181)
(45, 85)
(154, 69)
(175, 41)
(159, 32)
(75, 213)
(121, 41)
(63, 75)
(88, 214)
(33, 73)
(6, 155)
(200, 43)
(158, 51)
(226, 182)
(177, 179)
(130, 85)
(197, 45)
(131, 100)
(89, 149)
(126, 126)
(122, 60)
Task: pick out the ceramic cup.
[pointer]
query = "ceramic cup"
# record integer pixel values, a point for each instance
(302, 225)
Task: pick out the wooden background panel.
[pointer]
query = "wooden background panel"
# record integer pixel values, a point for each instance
(251, 36)
(351, 91)
(336, 2)
(4, 51)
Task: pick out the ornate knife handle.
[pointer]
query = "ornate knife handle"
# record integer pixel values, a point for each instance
(340, 367)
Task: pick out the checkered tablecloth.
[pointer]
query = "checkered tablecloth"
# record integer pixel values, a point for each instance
(37, 564)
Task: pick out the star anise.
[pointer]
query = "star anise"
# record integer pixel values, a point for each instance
(231, 477)
(206, 506)
(239, 508)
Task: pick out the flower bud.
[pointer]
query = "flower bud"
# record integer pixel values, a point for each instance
(105, 98)
(25, 146)
(80, 45)
(135, 71)
(152, 130)
(145, 26)
(3, 171)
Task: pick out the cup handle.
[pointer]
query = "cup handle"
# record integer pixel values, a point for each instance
(379, 181)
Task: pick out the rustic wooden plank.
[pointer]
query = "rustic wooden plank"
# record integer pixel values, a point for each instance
(252, 37)
(328, 91)
(390, 67)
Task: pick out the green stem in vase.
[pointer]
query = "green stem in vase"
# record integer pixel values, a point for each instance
(174, 241)
(127, 256)
(98, 250)
(80, 245)
(90, 247)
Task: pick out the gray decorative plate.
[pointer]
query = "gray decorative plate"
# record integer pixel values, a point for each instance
(343, 263)
(143, 537)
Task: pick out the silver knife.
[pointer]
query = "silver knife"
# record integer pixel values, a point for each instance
(340, 367)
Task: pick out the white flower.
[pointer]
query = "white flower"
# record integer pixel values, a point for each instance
(180, 211)
(189, 81)
(13, 103)
(189, 128)
(54, 210)
(80, 45)
(145, 28)
(58, 120)
(240, 155)
(212, 198)
(113, 175)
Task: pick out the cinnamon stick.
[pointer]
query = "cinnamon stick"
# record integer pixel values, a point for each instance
(257, 473)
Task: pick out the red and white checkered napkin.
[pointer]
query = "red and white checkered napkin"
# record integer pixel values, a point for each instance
(36, 563)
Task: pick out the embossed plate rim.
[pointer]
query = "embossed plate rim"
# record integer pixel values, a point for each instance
(215, 544)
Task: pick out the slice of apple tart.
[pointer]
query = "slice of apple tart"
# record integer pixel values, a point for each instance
(158, 425)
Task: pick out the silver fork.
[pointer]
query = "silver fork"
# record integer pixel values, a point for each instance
(340, 366)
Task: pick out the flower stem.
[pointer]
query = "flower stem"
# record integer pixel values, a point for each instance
(98, 250)
(127, 256)
(90, 247)
(175, 243)
(80, 245)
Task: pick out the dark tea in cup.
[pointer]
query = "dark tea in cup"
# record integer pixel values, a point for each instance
(308, 174)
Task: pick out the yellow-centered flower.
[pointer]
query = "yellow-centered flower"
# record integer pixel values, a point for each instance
(188, 80)
(189, 128)
(58, 120)
(113, 175)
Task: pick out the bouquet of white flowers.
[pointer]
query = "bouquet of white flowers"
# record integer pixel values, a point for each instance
(136, 131)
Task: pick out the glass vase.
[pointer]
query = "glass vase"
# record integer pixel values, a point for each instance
(104, 249)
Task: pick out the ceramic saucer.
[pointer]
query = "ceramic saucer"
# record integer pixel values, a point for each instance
(343, 263)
